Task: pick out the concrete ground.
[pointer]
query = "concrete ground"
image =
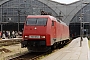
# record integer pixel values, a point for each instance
(71, 52)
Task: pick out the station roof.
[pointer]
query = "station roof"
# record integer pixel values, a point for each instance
(2, 1)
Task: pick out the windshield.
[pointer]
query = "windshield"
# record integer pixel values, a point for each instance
(36, 21)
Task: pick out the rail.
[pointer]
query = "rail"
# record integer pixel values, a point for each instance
(6, 42)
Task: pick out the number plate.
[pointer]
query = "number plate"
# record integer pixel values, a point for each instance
(34, 36)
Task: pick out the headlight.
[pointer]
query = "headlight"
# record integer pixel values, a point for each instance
(42, 36)
(26, 36)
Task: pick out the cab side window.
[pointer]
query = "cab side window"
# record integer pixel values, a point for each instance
(52, 23)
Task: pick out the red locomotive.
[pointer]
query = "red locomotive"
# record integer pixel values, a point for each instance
(43, 32)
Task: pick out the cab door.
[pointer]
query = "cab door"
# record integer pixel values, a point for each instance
(54, 30)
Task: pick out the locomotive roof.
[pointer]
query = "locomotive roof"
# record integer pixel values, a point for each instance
(38, 15)
(58, 20)
(45, 16)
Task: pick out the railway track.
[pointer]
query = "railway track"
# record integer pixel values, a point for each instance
(7, 42)
(29, 56)
(36, 56)
(33, 56)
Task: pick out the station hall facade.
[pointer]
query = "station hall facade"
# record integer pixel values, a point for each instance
(13, 13)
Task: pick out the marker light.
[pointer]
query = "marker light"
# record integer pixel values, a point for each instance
(42, 36)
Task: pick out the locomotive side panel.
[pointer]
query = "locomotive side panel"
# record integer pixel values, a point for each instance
(59, 31)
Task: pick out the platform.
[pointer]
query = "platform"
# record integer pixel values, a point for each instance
(73, 51)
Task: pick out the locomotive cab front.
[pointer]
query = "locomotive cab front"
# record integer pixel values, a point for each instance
(36, 33)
